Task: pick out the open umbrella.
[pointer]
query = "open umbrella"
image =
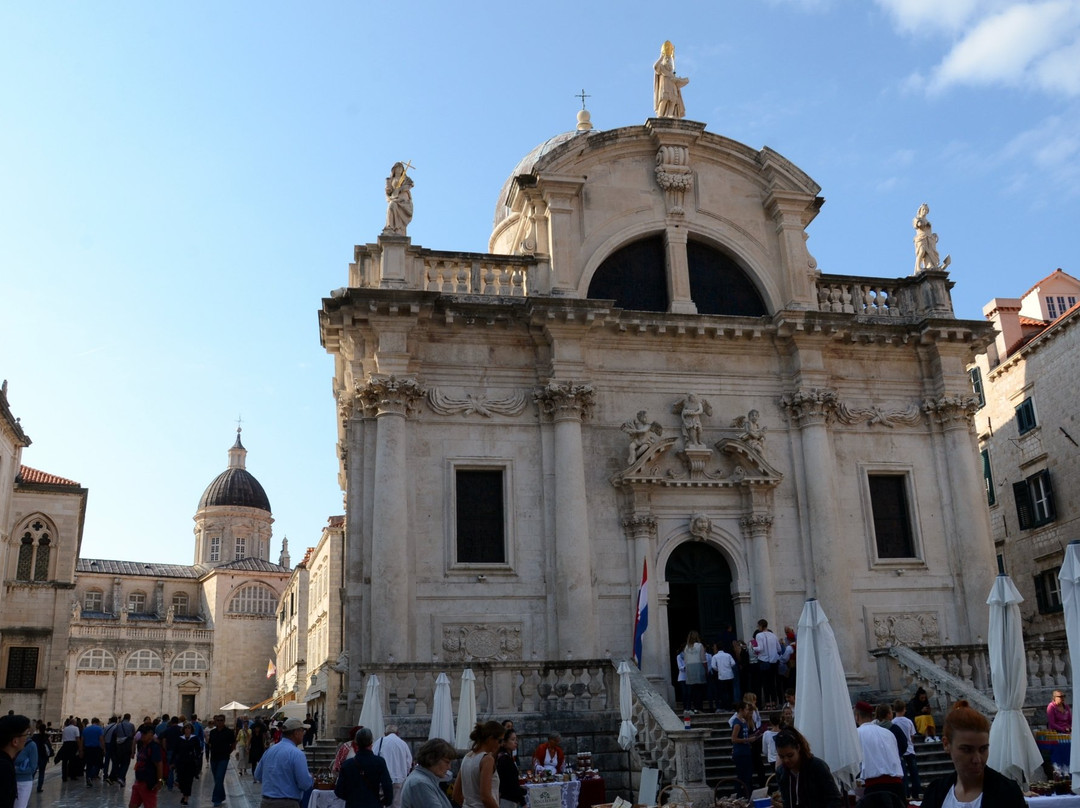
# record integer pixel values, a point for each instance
(442, 712)
(1013, 750)
(371, 715)
(1070, 599)
(234, 705)
(466, 710)
(823, 706)
(627, 730)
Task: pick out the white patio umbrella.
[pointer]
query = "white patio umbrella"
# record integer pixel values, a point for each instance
(1070, 599)
(627, 730)
(442, 712)
(466, 710)
(234, 705)
(1013, 750)
(822, 705)
(371, 714)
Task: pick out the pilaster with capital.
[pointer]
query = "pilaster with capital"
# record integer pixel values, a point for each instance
(792, 212)
(567, 404)
(392, 399)
(756, 529)
(812, 409)
(640, 531)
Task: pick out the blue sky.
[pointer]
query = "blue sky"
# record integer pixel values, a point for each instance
(181, 184)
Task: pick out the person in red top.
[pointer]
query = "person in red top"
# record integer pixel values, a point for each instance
(550, 756)
(1058, 714)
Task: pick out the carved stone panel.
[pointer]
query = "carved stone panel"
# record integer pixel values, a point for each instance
(906, 628)
(462, 642)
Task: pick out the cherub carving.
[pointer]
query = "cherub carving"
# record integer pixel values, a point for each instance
(691, 409)
(642, 435)
(753, 433)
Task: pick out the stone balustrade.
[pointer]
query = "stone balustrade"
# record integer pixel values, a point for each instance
(119, 632)
(456, 275)
(917, 296)
(957, 671)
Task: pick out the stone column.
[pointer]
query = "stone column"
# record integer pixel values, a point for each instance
(756, 530)
(973, 553)
(567, 404)
(813, 409)
(678, 272)
(392, 399)
(641, 532)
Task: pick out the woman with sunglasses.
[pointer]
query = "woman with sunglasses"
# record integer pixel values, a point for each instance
(804, 780)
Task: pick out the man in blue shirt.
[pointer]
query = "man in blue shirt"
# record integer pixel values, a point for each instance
(283, 770)
(93, 749)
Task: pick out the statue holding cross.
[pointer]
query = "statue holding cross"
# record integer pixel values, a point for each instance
(399, 204)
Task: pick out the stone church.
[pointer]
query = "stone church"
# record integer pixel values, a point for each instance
(647, 369)
(95, 636)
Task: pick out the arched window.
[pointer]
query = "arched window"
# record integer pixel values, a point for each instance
(635, 276)
(94, 600)
(26, 557)
(34, 550)
(253, 599)
(718, 285)
(180, 604)
(144, 660)
(97, 659)
(191, 661)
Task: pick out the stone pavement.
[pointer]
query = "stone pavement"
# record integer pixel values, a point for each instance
(240, 792)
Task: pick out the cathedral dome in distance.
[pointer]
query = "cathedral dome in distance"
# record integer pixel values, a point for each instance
(236, 486)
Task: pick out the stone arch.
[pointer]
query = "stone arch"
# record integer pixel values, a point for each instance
(96, 659)
(252, 597)
(144, 659)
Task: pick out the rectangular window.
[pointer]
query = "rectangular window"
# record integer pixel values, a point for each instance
(215, 548)
(1051, 309)
(977, 386)
(481, 522)
(241, 548)
(1025, 416)
(93, 601)
(180, 604)
(988, 477)
(1048, 591)
(1061, 305)
(1072, 302)
(22, 668)
(1001, 564)
(1034, 501)
(892, 518)
(137, 603)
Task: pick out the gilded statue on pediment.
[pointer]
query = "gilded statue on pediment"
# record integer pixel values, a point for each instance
(667, 87)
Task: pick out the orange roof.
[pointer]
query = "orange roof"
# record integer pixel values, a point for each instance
(336, 521)
(1040, 282)
(1031, 321)
(29, 475)
(307, 557)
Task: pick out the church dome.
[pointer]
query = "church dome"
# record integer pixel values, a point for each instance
(525, 166)
(236, 486)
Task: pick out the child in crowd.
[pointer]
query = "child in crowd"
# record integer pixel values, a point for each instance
(768, 740)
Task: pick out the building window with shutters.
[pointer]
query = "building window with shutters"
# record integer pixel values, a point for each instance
(988, 477)
(892, 519)
(977, 386)
(215, 548)
(1025, 416)
(1034, 501)
(1048, 591)
(22, 668)
(240, 549)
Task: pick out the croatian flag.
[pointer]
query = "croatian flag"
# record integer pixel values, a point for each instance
(641, 622)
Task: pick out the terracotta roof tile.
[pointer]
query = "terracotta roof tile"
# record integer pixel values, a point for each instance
(1032, 321)
(336, 521)
(307, 556)
(29, 475)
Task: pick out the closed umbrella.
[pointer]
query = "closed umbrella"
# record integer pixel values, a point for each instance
(371, 715)
(442, 713)
(1013, 750)
(466, 710)
(1070, 599)
(823, 706)
(627, 730)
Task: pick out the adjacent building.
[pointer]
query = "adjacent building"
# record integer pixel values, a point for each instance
(1028, 425)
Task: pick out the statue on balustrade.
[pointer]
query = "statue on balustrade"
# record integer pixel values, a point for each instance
(926, 251)
(691, 409)
(399, 204)
(667, 87)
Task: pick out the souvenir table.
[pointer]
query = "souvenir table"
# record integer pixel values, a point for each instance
(1054, 801)
(325, 799)
(562, 794)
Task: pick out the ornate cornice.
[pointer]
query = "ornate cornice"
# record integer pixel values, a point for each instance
(564, 401)
(952, 409)
(811, 405)
(389, 396)
(478, 404)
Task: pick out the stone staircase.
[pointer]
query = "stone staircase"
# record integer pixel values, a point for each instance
(321, 754)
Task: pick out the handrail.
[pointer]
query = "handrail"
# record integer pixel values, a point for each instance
(946, 687)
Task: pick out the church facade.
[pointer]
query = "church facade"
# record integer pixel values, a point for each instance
(647, 371)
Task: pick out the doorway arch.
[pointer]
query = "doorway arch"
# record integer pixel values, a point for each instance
(699, 594)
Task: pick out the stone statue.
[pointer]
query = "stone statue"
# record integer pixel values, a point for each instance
(926, 251)
(642, 435)
(76, 609)
(170, 614)
(667, 87)
(753, 433)
(700, 526)
(691, 409)
(399, 205)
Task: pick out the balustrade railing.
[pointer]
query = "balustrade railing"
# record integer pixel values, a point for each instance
(916, 296)
(136, 633)
(958, 671)
(476, 276)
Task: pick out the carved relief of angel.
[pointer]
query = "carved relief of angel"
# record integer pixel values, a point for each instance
(753, 433)
(691, 409)
(642, 435)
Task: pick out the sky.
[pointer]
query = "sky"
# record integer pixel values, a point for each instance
(182, 183)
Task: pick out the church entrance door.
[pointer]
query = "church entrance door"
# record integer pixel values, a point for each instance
(699, 585)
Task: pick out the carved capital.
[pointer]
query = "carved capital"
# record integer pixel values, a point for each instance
(950, 410)
(565, 401)
(639, 527)
(814, 405)
(390, 396)
(757, 524)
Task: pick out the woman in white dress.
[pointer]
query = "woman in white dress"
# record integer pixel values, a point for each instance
(477, 783)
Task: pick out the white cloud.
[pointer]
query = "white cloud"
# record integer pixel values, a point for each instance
(1024, 44)
(918, 16)
(1046, 156)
